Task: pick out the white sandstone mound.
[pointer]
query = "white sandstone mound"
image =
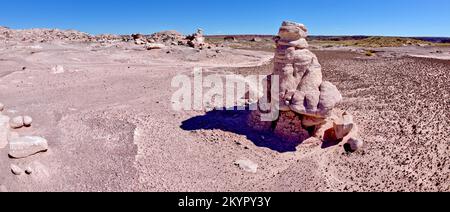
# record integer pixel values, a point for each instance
(305, 101)
(355, 144)
(23, 147)
(163, 39)
(20, 121)
(16, 122)
(29, 170)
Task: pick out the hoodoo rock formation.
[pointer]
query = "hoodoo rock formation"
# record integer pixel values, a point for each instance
(305, 101)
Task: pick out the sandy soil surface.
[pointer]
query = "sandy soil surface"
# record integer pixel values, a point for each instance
(110, 126)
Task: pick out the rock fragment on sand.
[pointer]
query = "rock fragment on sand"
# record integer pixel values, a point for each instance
(27, 121)
(2, 107)
(16, 170)
(16, 122)
(343, 126)
(23, 147)
(29, 170)
(247, 165)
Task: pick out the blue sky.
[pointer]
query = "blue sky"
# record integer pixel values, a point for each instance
(322, 17)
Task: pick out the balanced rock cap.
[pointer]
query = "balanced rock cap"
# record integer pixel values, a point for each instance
(291, 23)
(290, 31)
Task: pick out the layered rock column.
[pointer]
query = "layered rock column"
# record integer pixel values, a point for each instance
(302, 89)
(305, 100)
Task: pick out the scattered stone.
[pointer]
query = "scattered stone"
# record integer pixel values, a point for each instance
(354, 144)
(139, 39)
(27, 121)
(29, 170)
(16, 170)
(140, 42)
(23, 147)
(247, 165)
(2, 107)
(16, 122)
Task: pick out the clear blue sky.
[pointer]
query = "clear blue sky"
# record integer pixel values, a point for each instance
(323, 17)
